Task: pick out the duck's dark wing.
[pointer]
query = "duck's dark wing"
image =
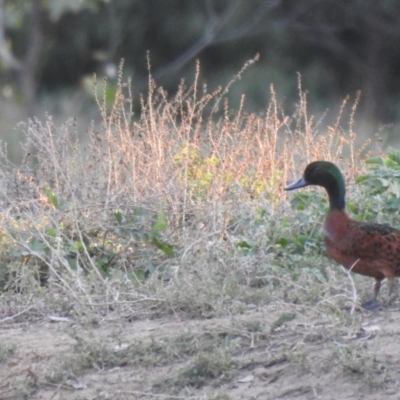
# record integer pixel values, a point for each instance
(375, 241)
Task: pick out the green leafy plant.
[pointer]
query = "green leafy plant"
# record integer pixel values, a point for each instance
(198, 172)
(383, 181)
(146, 229)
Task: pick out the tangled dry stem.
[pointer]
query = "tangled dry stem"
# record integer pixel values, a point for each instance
(202, 165)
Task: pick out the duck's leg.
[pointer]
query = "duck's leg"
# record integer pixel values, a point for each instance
(373, 304)
(390, 282)
(377, 287)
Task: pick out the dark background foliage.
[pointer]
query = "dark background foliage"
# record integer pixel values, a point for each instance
(338, 47)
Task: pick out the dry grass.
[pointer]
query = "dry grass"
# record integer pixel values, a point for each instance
(176, 213)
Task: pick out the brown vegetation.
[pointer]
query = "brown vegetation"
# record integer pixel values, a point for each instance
(160, 259)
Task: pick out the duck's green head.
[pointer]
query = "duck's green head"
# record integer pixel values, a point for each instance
(327, 175)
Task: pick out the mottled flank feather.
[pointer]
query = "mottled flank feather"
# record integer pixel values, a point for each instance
(366, 248)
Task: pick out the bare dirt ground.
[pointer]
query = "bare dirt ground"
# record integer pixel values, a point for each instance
(277, 351)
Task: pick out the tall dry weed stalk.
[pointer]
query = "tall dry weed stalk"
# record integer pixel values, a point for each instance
(187, 155)
(173, 140)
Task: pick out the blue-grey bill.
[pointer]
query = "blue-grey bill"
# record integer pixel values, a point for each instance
(299, 184)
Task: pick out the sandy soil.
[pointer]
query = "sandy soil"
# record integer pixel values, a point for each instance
(306, 357)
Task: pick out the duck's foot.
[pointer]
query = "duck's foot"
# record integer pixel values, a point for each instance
(372, 305)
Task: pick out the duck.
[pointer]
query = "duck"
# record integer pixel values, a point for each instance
(365, 248)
